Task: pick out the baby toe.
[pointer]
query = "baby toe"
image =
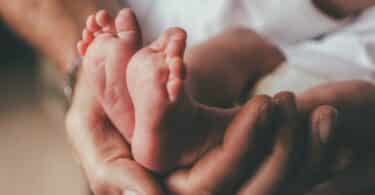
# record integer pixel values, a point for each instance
(128, 29)
(105, 21)
(91, 24)
(87, 36)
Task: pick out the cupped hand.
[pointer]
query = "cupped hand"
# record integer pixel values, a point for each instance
(254, 158)
(103, 153)
(262, 151)
(342, 139)
(258, 154)
(107, 162)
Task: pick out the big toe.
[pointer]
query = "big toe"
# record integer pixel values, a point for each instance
(127, 27)
(172, 41)
(176, 43)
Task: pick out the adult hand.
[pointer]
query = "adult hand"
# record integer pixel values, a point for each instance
(106, 160)
(346, 140)
(355, 102)
(103, 153)
(256, 156)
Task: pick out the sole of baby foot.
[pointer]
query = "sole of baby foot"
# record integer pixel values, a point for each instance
(106, 47)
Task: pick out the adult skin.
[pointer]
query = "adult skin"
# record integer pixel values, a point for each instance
(52, 26)
(63, 19)
(103, 154)
(106, 159)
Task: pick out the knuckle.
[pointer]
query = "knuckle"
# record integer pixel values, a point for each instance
(260, 102)
(284, 96)
(259, 107)
(286, 105)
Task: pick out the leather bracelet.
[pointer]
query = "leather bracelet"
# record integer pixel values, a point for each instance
(71, 79)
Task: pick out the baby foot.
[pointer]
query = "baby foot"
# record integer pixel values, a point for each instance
(170, 130)
(106, 47)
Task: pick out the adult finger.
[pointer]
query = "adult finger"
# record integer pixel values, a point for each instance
(323, 122)
(225, 166)
(351, 133)
(280, 166)
(354, 100)
(321, 128)
(355, 104)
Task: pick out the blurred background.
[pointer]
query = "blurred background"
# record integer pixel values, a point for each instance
(35, 156)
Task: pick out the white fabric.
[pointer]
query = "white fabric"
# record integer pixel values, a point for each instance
(288, 78)
(345, 50)
(348, 53)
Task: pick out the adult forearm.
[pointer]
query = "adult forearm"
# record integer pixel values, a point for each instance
(343, 8)
(51, 26)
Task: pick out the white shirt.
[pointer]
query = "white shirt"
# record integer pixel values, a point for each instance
(345, 49)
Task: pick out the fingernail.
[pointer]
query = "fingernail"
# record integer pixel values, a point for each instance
(326, 126)
(130, 192)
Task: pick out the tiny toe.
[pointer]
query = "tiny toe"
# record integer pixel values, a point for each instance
(126, 24)
(87, 36)
(91, 24)
(160, 43)
(81, 47)
(105, 21)
(172, 41)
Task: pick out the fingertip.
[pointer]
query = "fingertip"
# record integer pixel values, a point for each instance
(284, 97)
(262, 105)
(285, 103)
(324, 121)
